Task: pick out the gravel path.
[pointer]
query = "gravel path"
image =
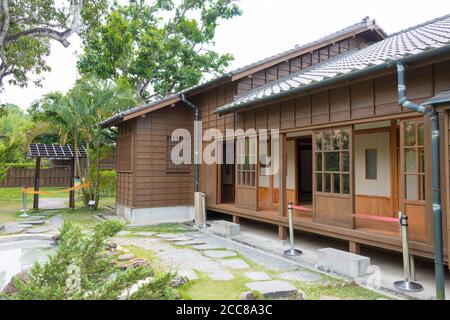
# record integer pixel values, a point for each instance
(179, 259)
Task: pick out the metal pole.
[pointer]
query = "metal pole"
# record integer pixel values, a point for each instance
(435, 177)
(24, 199)
(407, 284)
(292, 252)
(204, 225)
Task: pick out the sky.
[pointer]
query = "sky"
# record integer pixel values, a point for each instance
(266, 27)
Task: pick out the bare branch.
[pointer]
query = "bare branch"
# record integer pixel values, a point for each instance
(60, 36)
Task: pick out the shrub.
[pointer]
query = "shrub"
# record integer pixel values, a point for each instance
(80, 269)
(108, 180)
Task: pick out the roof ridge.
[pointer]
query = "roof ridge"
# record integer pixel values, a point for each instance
(299, 72)
(419, 25)
(366, 21)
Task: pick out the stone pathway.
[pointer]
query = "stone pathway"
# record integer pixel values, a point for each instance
(191, 253)
(53, 203)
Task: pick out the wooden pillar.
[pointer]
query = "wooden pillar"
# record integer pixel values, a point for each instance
(394, 167)
(236, 219)
(282, 233)
(71, 184)
(282, 205)
(37, 176)
(353, 247)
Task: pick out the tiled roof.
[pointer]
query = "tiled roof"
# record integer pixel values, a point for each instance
(361, 26)
(364, 23)
(434, 34)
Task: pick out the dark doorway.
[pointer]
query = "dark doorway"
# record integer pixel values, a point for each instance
(227, 178)
(304, 170)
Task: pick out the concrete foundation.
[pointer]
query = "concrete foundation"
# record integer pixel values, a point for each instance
(344, 263)
(146, 216)
(225, 228)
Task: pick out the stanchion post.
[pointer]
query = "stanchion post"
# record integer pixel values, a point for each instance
(407, 284)
(292, 252)
(24, 199)
(204, 225)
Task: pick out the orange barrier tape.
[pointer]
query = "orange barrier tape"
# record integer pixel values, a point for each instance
(81, 186)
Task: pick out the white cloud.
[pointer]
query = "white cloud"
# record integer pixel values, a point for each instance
(267, 27)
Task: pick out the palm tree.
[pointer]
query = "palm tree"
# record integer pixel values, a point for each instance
(76, 117)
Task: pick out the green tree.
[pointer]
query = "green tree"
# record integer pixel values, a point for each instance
(158, 48)
(14, 125)
(27, 26)
(80, 269)
(76, 117)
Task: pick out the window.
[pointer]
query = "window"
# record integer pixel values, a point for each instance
(172, 167)
(371, 164)
(124, 153)
(332, 161)
(246, 162)
(414, 160)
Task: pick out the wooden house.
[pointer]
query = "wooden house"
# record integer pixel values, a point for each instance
(348, 148)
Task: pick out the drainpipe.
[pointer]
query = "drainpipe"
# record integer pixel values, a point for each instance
(436, 180)
(197, 144)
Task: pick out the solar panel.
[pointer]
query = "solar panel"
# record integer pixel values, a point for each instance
(55, 151)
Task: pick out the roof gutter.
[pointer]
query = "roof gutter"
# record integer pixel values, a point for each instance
(335, 80)
(197, 141)
(435, 178)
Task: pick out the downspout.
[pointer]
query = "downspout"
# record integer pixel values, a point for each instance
(436, 180)
(197, 137)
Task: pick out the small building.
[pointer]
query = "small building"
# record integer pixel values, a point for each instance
(348, 147)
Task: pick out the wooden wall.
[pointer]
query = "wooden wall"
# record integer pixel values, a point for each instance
(150, 185)
(125, 180)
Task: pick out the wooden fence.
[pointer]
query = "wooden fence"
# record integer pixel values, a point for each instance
(50, 177)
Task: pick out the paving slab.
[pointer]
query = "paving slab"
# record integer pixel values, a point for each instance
(188, 274)
(302, 276)
(206, 247)
(12, 229)
(31, 218)
(274, 289)
(219, 253)
(38, 230)
(123, 233)
(235, 264)
(168, 235)
(179, 239)
(190, 242)
(144, 234)
(220, 275)
(32, 222)
(258, 276)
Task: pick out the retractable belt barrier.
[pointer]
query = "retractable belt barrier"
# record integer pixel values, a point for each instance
(405, 285)
(81, 186)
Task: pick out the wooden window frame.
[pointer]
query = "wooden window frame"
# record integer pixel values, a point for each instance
(367, 163)
(323, 172)
(421, 195)
(246, 174)
(172, 168)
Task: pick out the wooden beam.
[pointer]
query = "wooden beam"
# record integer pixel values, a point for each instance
(282, 176)
(394, 166)
(37, 176)
(236, 219)
(354, 247)
(282, 233)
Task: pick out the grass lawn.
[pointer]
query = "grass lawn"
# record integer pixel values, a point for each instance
(204, 288)
(11, 203)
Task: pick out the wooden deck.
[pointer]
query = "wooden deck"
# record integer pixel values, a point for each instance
(376, 238)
